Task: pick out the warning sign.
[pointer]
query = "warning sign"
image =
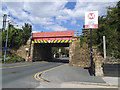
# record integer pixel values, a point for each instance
(91, 20)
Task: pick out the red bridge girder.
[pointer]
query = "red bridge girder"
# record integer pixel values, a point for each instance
(57, 35)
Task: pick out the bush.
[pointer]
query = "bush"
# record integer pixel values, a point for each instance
(13, 59)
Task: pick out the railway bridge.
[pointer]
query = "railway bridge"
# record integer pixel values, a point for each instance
(42, 43)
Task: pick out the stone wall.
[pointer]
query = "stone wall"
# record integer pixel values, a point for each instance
(98, 62)
(79, 56)
(22, 52)
(35, 51)
(98, 69)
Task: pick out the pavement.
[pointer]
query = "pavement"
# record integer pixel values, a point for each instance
(66, 76)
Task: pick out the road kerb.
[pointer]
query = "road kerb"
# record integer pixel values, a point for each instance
(80, 85)
(74, 84)
(37, 75)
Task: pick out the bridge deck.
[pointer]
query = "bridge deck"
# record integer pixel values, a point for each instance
(53, 37)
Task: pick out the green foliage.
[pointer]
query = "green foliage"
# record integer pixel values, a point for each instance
(16, 37)
(55, 50)
(82, 40)
(109, 26)
(13, 59)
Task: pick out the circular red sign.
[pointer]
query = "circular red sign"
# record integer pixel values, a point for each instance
(91, 15)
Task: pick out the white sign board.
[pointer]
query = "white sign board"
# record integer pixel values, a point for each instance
(91, 20)
(59, 50)
(26, 49)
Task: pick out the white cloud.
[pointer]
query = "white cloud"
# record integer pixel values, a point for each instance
(81, 8)
(78, 25)
(44, 9)
(56, 28)
(42, 13)
(59, 0)
(1, 19)
(34, 31)
(41, 21)
(73, 22)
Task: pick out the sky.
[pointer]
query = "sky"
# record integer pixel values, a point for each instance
(55, 15)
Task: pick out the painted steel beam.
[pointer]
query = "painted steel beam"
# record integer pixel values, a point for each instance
(52, 41)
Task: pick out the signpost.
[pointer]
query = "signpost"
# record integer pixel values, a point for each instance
(6, 48)
(91, 22)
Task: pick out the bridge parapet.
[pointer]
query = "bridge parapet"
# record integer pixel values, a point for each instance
(53, 37)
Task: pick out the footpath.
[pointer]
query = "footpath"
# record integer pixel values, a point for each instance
(66, 76)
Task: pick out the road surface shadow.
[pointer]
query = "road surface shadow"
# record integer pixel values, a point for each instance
(92, 73)
(59, 60)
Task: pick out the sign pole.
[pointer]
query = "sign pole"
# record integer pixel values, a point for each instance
(91, 22)
(91, 53)
(104, 47)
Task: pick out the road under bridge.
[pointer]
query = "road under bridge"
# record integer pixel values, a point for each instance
(42, 43)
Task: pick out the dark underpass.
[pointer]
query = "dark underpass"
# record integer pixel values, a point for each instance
(43, 52)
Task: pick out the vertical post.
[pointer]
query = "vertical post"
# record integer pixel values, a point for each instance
(104, 47)
(59, 52)
(31, 37)
(6, 44)
(4, 25)
(91, 69)
(4, 22)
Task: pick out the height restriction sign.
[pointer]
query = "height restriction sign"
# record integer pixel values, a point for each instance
(91, 20)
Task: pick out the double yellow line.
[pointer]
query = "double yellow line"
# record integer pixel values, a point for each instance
(37, 75)
(14, 66)
(20, 65)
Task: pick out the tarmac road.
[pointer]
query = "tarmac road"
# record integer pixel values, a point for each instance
(21, 75)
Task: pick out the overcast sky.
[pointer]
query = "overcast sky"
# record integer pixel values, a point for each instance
(57, 15)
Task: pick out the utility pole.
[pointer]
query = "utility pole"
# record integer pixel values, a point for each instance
(91, 52)
(4, 25)
(6, 45)
(4, 21)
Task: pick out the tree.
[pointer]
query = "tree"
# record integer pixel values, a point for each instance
(55, 50)
(109, 26)
(16, 37)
